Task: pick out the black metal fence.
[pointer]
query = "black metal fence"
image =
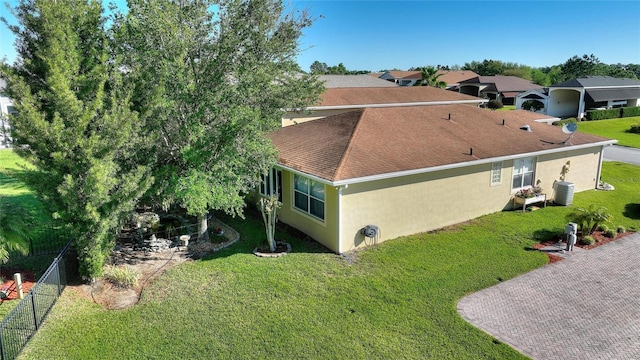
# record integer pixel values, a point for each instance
(23, 321)
(47, 240)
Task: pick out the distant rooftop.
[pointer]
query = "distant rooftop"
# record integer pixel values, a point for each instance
(351, 81)
(598, 81)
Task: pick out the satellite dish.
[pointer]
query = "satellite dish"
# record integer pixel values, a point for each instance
(569, 128)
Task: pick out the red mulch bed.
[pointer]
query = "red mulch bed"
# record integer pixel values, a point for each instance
(28, 281)
(598, 236)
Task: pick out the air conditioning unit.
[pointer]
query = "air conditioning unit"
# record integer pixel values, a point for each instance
(564, 193)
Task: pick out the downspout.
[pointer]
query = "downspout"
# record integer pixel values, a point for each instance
(340, 188)
(600, 165)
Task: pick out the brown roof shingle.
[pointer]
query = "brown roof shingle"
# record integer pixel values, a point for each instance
(377, 141)
(390, 95)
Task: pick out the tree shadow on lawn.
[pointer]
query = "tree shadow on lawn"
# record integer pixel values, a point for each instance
(632, 211)
(252, 235)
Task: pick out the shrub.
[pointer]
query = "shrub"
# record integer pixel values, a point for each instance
(495, 104)
(532, 105)
(587, 240)
(610, 233)
(603, 227)
(621, 229)
(589, 219)
(603, 114)
(566, 121)
(121, 276)
(630, 111)
(635, 129)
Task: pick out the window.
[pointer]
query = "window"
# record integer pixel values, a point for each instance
(272, 184)
(309, 196)
(496, 173)
(522, 173)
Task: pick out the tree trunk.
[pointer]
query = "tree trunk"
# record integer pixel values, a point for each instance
(203, 228)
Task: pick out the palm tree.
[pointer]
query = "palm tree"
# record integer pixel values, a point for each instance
(13, 221)
(430, 77)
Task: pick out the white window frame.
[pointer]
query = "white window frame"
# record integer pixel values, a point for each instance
(311, 198)
(271, 184)
(520, 163)
(496, 173)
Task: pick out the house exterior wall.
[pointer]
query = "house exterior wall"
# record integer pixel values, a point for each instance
(633, 102)
(563, 102)
(425, 202)
(325, 232)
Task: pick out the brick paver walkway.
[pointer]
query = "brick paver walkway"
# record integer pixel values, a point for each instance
(586, 306)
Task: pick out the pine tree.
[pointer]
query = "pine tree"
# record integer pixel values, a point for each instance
(74, 122)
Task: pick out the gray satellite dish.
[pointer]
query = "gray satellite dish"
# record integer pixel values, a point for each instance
(569, 128)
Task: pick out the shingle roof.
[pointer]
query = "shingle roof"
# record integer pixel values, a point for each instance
(390, 95)
(454, 77)
(504, 83)
(350, 81)
(401, 74)
(377, 141)
(598, 81)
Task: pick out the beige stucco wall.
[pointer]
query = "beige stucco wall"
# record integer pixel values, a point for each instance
(424, 202)
(325, 232)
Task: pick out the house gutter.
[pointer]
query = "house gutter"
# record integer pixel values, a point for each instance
(419, 103)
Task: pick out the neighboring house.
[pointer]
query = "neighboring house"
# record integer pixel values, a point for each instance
(6, 108)
(351, 81)
(454, 77)
(499, 87)
(407, 170)
(574, 97)
(410, 78)
(340, 100)
(402, 78)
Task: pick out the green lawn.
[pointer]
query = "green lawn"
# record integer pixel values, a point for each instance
(396, 300)
(613, 129)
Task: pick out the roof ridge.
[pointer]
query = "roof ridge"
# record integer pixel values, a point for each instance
(348, 148)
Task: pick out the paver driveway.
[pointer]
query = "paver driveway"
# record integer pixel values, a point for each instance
(584, 307)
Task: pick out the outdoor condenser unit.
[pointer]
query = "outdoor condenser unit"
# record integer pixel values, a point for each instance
(564, 193)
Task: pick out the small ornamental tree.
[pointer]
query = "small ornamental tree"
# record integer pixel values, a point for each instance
(269, 206)
(494, 104)
(532, 105)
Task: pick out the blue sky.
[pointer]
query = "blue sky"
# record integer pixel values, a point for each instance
(376, 35)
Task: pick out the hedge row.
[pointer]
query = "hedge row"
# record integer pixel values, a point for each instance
(613, 113)
(630, 111)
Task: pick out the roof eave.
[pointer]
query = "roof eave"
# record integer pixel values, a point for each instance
(453, 166)
(421, 103)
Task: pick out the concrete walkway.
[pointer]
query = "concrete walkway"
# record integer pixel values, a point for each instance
(622, 153)
(586, 306)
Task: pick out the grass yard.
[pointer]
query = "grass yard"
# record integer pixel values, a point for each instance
(395, 300)
(613, 129)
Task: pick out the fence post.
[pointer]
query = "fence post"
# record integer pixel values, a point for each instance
(33, 306)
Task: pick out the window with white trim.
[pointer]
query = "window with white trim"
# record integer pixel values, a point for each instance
(496, 173)
(272, 184)
(308, 196)
(523, 173)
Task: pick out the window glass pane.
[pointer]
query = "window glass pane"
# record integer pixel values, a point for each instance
(317, 208)
(317, 190)
(517, 181)
(301, 201)
(496, 173)
(517, 166)
(301, 184)
(528, 179)
(527, 165)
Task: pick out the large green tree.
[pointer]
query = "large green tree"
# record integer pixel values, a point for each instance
(212, 78)
(74, 122)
